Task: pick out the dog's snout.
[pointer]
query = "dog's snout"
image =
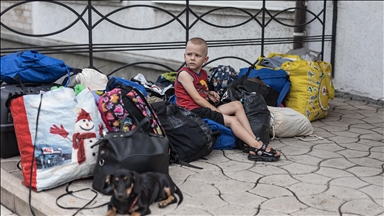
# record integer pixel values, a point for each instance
(120, 196)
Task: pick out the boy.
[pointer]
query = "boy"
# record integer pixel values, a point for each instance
(192, 93)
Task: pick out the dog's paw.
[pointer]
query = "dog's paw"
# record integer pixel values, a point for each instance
(163, 204)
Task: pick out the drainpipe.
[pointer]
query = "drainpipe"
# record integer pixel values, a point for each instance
(299, 29)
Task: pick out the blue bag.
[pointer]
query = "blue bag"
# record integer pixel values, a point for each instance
(31, 66)
(276, 79)
(115, 82)
(226, 140)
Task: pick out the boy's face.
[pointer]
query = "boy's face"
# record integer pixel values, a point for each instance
(195, 56)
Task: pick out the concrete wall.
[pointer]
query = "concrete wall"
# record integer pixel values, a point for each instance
(358, 68)
(358, 65)
(359, 59)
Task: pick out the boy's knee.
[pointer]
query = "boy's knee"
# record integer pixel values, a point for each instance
(237, 104)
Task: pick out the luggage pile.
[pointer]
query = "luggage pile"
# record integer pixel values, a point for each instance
(61, 118)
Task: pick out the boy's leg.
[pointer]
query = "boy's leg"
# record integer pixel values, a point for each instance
(241, 133)
(236, 108)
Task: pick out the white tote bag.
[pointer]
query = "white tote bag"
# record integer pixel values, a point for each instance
(55, 131)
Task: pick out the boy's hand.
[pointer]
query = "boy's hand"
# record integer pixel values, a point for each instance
(213, 96)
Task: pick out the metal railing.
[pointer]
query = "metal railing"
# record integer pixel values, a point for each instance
(263, 17)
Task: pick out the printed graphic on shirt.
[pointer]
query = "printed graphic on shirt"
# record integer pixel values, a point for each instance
(202, 88)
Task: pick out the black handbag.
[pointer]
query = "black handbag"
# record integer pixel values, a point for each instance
(235, 89)
(134, 150)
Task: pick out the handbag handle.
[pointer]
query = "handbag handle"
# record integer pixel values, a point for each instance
(126, 134)
(130, 133)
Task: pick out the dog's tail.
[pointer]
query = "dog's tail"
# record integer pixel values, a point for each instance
(179, 194)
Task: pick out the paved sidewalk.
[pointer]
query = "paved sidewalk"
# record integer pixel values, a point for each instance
(341, 174)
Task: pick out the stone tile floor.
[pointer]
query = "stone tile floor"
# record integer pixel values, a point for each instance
(341, 174)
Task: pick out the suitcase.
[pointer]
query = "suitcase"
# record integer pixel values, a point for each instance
(8, 140)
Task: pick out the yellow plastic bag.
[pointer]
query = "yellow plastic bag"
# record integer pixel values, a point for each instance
(311, 86)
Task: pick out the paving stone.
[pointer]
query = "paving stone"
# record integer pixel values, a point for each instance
(365, 171)
(271, 213)
(355, 146)
(224, 184)
(349, 117)
(372, 136)
(195, 187)
(244, 200)
(279, 180)
(218, 156)
(365, 161)
(312, 178)
(302, 189)
(243, 176)
(331, 147)
(235, 209)
(377, 149)
(229, 166)
(188, 210)
(269, 168)
(374, 191)
(360, 131)
(324, 154)
(351, 182)
(380, 202)
(332, 172)
(378, 130)
(313, 211)
(374, 119)
(363, 126)
(343, 140)
(305, 159)
(209, 202)
(348, 134)
(270, 191)
(348, 153)
(362, 207)
(374, 180)
(379, 125)
(336, 124)
(333, 198)
(283, 204)
(318, 124)
(339, 163)
(377, 155)
(290, 150)
(325, 134)
(297, 168)
(331, 128)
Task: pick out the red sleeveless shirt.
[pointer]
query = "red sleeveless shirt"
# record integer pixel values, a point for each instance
(199, 81)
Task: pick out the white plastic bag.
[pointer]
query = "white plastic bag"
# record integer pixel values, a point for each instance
(90, 78)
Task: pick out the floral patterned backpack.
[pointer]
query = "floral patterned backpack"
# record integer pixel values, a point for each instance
(127, 105)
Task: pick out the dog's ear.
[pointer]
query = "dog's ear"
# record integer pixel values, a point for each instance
(138, 182)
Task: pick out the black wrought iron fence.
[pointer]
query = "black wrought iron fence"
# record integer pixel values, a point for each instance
(263, 17)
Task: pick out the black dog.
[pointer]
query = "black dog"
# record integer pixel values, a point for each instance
(133, 193)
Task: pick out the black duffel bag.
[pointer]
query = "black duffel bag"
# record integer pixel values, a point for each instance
(133, 150)
(245, 84)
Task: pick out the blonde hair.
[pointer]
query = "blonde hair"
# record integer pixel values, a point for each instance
(201, 42)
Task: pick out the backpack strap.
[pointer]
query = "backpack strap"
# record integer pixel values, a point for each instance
(284, 91)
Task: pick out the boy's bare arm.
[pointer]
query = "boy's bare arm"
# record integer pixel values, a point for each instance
(186, 80)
